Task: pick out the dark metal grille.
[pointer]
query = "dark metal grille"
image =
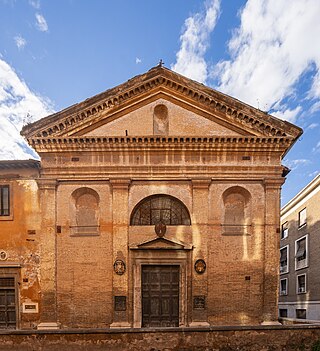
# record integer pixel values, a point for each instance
(4, 200)
(6, 282)
(160, 209)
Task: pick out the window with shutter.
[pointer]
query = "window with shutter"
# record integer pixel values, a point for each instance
(284, 268)
(301, 254)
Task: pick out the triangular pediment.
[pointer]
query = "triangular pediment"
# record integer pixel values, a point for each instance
(129, 109)
(182, 120)
(161, 244)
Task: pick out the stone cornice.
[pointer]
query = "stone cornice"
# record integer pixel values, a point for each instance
(155, 142)
(234, 111)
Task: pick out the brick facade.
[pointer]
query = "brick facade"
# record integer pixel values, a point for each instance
(200, 164)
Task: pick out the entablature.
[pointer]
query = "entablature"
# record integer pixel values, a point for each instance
(163, 173)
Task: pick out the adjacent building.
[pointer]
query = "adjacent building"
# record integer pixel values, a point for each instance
(20, 223)
(300, 255)
(155, 204)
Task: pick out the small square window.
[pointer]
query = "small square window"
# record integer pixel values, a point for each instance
(302, 217)
(301, 313)
(284, 230)
(301, 253)
(283, 287)
(283, 312)
(284, 253)
(301, 284)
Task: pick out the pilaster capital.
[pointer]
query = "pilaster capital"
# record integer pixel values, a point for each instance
(273, 183)
(47, 184)
(120, 183)
(201, 183)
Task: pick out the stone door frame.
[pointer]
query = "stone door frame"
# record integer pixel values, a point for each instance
(167, 258)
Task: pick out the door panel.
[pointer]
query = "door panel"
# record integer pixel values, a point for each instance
(7, 308)
(160, 296)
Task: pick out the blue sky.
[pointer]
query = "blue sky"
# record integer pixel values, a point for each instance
(264, 52)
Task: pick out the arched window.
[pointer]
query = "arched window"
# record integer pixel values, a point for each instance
(160, 209)
(85, 216)
(237, 215)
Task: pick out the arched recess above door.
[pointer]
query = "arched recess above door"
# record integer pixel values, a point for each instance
(160, 208)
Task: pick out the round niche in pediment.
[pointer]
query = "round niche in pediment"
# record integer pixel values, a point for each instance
(161, 112)
(160, 120)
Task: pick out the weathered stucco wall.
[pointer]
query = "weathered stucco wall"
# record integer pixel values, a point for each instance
(19, 239)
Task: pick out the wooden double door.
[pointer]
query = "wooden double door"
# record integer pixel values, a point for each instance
(160, 295)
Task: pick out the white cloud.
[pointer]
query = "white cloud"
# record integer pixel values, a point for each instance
(20, 42)
(293, 164)
(138, 60)
(287, 114)
(313, 126)
(317, 147)
(190, 59)
(313, 174)
(315, 107)
(41, 23)
(273, 46)
(18, 104)
(35, 4)
(315, 89)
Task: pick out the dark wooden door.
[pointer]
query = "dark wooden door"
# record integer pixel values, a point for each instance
(160, 296)
(7, 303)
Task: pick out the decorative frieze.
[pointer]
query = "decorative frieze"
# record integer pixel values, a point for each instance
(42, 145)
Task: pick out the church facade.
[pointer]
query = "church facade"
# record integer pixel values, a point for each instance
(155, 204)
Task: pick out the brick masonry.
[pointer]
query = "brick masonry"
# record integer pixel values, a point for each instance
(159, 134)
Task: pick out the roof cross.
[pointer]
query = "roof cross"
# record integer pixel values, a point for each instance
(161, 63)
